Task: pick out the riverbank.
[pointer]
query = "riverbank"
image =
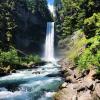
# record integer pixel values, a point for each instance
(82, 81)
(11, 68)
(78, 85)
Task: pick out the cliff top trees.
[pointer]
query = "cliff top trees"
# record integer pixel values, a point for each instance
(39, 7)
(72, 14)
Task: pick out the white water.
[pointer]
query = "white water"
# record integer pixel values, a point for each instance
(31, 86)
(49, 42)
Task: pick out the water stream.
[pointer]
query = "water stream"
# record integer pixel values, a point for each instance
(31, 84)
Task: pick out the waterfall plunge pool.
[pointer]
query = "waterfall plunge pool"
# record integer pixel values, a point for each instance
(24, 85)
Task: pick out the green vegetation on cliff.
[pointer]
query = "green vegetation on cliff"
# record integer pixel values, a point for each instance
(16, 19)
(84, 15)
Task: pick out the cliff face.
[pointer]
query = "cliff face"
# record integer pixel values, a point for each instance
(29, 30)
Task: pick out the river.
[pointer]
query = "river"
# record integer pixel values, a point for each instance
(31, 84)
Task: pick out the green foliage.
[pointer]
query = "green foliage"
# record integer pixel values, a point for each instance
(40, 7)
(31, 5)
(7, 24)
(91, 55)
(11, 21)
(34, 58)
(72, 14)
(92, 25)
(77, 45)
(85, 60)
(10, 56)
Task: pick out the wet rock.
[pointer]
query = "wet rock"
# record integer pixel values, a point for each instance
(6, 71)
(54, 75)
(70, 79)
(2, 73)
(13, 71)
(65, 73)
(43, 68)
(37, 72)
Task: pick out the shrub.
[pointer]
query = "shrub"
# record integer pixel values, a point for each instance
(92, 25)
(91, 55)
(34, 58)
(10, 56)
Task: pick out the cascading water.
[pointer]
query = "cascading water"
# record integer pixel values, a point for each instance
(49, 42)
(31, 85)
(34, 84)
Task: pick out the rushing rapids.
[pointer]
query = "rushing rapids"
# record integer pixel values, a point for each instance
(32, 84)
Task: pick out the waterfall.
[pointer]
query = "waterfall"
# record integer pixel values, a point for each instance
(49, 42)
